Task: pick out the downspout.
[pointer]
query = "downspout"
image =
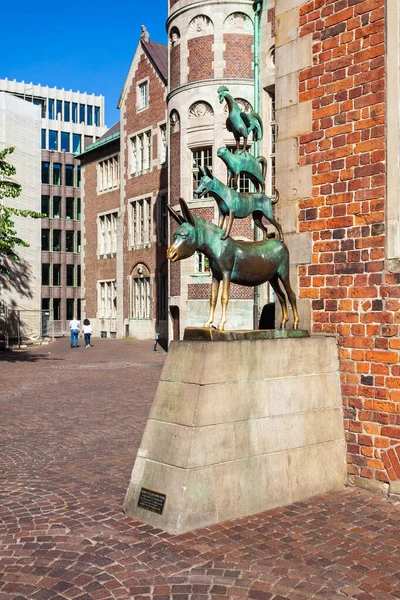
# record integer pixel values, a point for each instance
(257, 7)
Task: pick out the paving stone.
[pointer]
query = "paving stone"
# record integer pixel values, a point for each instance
(71, 423)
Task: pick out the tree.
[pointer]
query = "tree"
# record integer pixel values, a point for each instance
(9, 239)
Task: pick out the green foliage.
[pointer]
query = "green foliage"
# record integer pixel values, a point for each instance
(9, 239)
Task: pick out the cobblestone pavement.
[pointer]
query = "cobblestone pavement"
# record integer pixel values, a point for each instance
(71, 422)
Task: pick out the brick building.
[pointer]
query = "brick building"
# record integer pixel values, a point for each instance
(125, 223)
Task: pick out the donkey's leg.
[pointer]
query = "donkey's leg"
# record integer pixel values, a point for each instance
(278, 227)
(226, 285)
(257, 217)
(228, 227)
(213, 301)
(274, 281)
(292, 299)
(221, 220)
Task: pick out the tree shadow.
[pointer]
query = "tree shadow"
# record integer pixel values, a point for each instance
(24, 356)
(19, 278)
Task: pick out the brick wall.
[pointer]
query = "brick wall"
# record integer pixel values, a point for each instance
(352, 294)
(175, 191)
(95, 269)
(238, 55)
(201, 56)
(175, 66)
(148, 183)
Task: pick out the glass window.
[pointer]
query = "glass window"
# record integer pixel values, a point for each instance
(56, 240)
(69, 208)
(69, 241)
(76, 142)
(201, 157)
(70, 275)
(74, 112)
(89, 114)
(78, 176)
(45, 274)
(59, 108)
(78, 241)
(56, 309)
(65, 141)
(78, 209)
(143, 96)
(45, 205)
(43, 139)
(42, 105)
(66, 111)
(53, 141)
(51, 108)
(163, 229)
(45, 303)
(201, 263)
(70, 308)
(45, 172)
(97, 116)
(69, 175)
(45, 239)
(56, 275)
(78, 275)
(78, 309)
(81, 113)
(56, 174)
(140, 298)
(163, 149)
(56, 207)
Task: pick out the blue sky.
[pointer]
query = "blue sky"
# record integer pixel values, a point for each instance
(86, 46)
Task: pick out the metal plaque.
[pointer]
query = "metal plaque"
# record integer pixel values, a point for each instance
(151, 500)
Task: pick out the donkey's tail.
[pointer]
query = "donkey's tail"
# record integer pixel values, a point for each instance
(276, 197)
(264, 164)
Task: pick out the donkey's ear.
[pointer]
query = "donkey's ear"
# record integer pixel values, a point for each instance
(187, 215)
(201, 171)
(208, 173)
(175, 215)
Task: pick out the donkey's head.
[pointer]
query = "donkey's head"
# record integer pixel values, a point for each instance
(206, 184)
(185, 237)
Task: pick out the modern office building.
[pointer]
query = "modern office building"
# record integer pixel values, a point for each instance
(70, 121)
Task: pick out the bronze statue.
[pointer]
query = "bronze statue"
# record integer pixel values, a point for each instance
(243, 162)
(236, 261)
(240, 123)
(233, 204)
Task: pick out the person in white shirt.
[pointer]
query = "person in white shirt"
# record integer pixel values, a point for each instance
(87, 332)
(74, 326)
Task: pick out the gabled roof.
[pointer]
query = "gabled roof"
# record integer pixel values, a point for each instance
(158, 54)
(109, 136)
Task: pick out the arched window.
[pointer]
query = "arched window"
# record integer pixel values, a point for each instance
(140, 293)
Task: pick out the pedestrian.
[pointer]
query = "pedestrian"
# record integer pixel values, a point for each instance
(156, 341)
(87, 332)
(74, 326)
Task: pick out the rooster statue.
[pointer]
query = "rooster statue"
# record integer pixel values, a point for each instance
(239, 123)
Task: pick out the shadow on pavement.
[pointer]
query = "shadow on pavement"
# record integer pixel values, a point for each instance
(16, 356)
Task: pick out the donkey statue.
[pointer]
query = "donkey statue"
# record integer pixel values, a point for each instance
(233, 204)
(242, 262)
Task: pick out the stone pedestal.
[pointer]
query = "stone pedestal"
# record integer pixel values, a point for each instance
(236, 428)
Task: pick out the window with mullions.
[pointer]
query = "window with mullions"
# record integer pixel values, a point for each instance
(107, 300)
(163, 140)
(56, 174)
(45, 274)
(59, 109)
(65, 141)
(76, 142)
(70, 275)
(140, 298)
(201, 157)
(97, 116)
(143, 95)
(70, 308)
(69, 208)
(108, 174)
(42, 105)
(51, 108)
(74, 112)
(66, 111)
(272, 125)
(202, 264)
(56, 212)
(56, 309)
(45, 239)
(56, 275)
(89, 113)
(45, 205)
(56, 237)
(107, 234)
(69, 241)
(140, 155)
(81, 113)
(78, 275)
(141, 222)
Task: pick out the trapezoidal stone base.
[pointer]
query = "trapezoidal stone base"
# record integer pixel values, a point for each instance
(237, 428)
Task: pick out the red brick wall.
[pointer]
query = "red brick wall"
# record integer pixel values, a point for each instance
(352, 294)
(175, 191)
(149, 183)
(200, 58)
(95, 269)
(238, 55)
(175, 70)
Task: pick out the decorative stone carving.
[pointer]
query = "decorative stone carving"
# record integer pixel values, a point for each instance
(174, 121)
(144, 36)
(244, 105)
(238, 23)
(174, 36)
(200, 109)
(140, 270)
(200, 25)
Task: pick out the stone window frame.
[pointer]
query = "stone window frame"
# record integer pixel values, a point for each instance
(106, 162)
(148, 221)
(109, 285)
(142, 84)
(133, 143)
(114, 215)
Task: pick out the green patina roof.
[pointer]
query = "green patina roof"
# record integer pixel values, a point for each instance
(112, 134)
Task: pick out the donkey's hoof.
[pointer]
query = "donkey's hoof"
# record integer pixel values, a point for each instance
(295, 325)
(208, 324)
(221, 327)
